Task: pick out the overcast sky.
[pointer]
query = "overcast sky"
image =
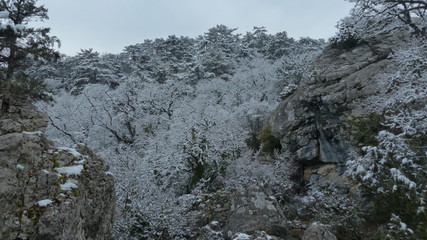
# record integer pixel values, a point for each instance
(108, 26)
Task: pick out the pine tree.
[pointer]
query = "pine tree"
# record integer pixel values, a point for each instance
(20, 45)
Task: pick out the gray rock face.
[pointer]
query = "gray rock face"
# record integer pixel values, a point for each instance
(311, 122)
(246, 211)
(47, 192)
(252, 209)
(317, 231)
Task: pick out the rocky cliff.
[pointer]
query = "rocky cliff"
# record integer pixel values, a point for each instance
(314, 124)
(355, 93)
(49, 192)
(313, 121)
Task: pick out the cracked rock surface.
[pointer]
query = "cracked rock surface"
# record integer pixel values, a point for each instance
(311, 122)
(48, 192)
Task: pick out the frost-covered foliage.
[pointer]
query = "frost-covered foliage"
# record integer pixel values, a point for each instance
(163, 141)
(391, 179)
(394, 174)
(335, 207)
(389, 168)
(296, 67)
(274, 171)
(373, 17)
(171, 117)
(405, 84)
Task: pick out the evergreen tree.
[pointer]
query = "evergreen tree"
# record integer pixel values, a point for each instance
(20, 44)
(257, 40)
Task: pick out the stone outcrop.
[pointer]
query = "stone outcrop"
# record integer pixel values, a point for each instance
(258, 210)
(318, 231)
(247, 211)
(323, 174)
(312, 121)
(47, 192)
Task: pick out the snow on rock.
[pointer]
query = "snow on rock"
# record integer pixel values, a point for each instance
(30, 209)
(33, 133)
(80, 162)
(241, 236)
(44, 203)
(68, 186)
(73, 151)
(20, 167)
(71, 170)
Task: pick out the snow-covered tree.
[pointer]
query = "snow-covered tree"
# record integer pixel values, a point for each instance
(280, 45)
(256, 40)
(296, 65)
(369, 18)
(394, 174)
(177, 120)
(20, 43)
(410, 12)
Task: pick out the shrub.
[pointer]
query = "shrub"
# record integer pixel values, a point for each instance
(365, 129)
(344, 41)
(394, 179)
(268, 143)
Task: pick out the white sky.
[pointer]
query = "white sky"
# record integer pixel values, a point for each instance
(108, 26)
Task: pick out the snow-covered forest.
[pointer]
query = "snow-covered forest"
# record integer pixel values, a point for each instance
(212, 136)
(172, 115)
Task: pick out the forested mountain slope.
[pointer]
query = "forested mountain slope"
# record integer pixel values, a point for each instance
(238, 137)
(178, 120)
(223, 136)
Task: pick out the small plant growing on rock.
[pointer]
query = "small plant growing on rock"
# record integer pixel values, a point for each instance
(365, 129)
(268, 142)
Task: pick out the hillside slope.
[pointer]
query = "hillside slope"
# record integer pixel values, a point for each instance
(185, 126)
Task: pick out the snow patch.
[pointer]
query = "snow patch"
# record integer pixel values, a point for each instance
(39, 133)
(80, 162)
(399, 176)
(4, 14)
(71, 170)
(71, 150)
(241, 236)
(214, 223)
(44, 203)
(68, 186)
(20, 167)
